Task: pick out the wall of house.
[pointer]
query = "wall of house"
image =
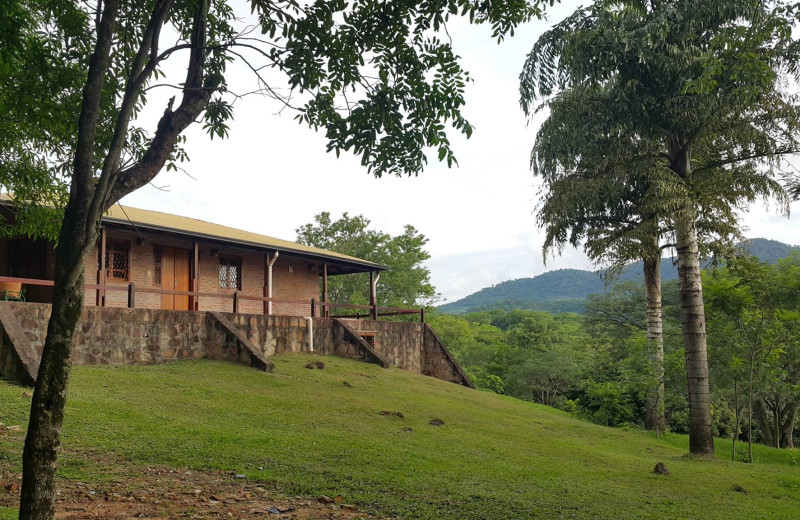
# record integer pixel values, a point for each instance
(140, 272)
(301, 283)
(292, 278)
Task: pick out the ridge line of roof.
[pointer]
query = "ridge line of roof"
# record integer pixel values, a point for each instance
(266, 242)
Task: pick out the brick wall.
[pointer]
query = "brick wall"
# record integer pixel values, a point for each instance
(300, 284)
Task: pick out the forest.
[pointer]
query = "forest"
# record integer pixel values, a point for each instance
(597, 365)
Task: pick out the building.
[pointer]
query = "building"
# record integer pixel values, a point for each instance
(179, 263)
(161, 287)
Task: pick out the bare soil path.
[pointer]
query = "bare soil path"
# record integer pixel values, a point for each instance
(162, 493)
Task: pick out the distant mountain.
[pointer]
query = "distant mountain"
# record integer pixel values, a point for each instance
(531, 293)
(565, 290)
(767, 250)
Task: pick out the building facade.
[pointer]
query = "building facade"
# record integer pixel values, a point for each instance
(153, 260)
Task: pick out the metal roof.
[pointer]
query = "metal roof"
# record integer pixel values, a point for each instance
(156, 220)
(165, 222)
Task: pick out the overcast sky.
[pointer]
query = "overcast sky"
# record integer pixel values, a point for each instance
(272, 175)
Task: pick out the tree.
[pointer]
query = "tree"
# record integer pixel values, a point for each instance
(607, 211)
(406, 284)
(754, 305)
(373, 74)
(34, 156)
(620, 215)
(693, 88)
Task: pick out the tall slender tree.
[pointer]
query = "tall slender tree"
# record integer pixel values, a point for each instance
(618, 214)
(373, 74)
(699, 88)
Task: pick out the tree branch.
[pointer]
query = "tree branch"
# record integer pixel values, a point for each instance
(140, 71)
(196, 95)
(759, 155)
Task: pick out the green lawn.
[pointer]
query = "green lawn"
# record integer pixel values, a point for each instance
(306, 432)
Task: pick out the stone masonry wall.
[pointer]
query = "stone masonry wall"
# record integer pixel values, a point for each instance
(122, 336)
(273, 334)
(400, 343)
(438, 362)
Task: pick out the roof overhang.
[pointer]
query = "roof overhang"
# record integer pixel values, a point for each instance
(336, 265)
(125, 217)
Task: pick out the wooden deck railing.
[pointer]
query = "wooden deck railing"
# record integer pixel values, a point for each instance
(236, 298)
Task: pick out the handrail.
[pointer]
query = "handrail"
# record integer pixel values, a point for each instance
(236, 296)
(28, 281)
(375, 311)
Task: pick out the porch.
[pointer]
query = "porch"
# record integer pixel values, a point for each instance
(34, 290)
(153, 260)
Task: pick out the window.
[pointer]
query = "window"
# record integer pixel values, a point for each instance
(118, 254)
(157, 252)
(230, 272)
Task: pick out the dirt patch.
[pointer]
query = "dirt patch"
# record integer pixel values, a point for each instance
(387, 413)
(161, 493)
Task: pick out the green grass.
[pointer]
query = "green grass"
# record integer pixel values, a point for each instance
(304, 432)
(8, 514)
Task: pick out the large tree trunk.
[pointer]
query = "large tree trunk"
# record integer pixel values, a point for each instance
(701, 437)
(789, 420)
(50, 393)
(654, 417)
(776, 419)
(89, 198)
(736, 422)
(43, 440)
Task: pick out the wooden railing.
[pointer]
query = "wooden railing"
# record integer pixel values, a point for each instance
(374, 311)
(236, 297)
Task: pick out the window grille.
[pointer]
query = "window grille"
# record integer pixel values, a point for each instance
(157, 253)
(230, 272)
(118, 254)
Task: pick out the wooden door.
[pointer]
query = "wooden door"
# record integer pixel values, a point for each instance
(181, 279)
(175, 277)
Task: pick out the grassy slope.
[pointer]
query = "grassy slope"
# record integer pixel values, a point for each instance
(495, 457)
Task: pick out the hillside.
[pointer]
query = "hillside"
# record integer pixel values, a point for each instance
(546, 290)
(564, 290)
(297, 433)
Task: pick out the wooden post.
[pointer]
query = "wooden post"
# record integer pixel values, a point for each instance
(196, 276)
(101, 273)
(325, 308)
(313, 308)
(131, 295)
(236, 302)
(422, 315)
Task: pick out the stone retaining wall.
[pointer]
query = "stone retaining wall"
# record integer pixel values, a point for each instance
(122, 336)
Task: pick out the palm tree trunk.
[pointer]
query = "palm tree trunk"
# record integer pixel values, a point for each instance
(701, 439)
(654, 417)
